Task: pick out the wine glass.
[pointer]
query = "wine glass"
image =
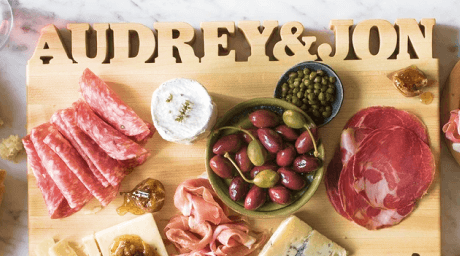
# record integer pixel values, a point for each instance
(6, 22)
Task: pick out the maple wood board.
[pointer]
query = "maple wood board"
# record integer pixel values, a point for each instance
(52, 87)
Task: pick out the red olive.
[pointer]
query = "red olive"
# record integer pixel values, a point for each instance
(264, 118)
(287, 132)
(238, 188)
(247, 138)
(304, 164)
(279, 194)
(304, 143)
(221, 166)
(229, 143)
(242, 160)
(255, 198)
(271, 140)
(266, 166)
(290, 179)
(286, 156)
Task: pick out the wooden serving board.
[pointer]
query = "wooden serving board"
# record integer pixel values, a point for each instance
(52, 85)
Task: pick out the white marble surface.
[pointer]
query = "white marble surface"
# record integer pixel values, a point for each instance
(31, 15)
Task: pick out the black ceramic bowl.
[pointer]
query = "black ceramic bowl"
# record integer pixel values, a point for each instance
(313, 65)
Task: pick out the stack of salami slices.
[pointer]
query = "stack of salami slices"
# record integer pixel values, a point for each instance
(383, 166)
(86, 150)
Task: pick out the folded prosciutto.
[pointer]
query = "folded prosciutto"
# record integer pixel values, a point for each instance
(383, 166)
(106, 103)
(55, 202)
(204, 228)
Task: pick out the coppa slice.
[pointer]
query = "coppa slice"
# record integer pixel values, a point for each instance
(55, 202)
(360, 211)
(393, 168)
(57, 120)
(111, 170)
(70, 186)
(115, 144)
(78, 166)
(111, 108)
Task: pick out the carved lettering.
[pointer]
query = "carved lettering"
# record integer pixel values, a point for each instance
(182, 43)
(50, 49)
(258, 40)
(122, 42)
(80, 44)
(387, 35)
(290, 34)
(342, 39)
(212, 41)
(409, 30)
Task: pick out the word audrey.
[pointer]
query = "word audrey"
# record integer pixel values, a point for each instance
(159, 47)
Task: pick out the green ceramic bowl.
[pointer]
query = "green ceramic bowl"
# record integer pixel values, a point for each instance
(238, 116)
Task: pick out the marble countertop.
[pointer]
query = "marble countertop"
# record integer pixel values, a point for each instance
(31, 15)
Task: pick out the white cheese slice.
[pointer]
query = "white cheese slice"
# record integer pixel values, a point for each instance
(319, 245)
(62, 248)
(143, 226)
(183, 111)
(90, 244)
(44, 246)
(456, 146)
(288, 238)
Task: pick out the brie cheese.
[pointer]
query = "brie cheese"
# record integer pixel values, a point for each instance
(182, 111)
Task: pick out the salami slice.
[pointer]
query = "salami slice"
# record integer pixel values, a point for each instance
(106, 103)
(78, 166)
(57, 120)
(70, 186)
(112, 170)
(55, 202)
(114, 143)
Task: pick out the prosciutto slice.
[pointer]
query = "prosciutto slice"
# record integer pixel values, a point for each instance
(54, 200)
(186, 237)
(70, 186)
(106, 103)
(78, 166)
(114, 143)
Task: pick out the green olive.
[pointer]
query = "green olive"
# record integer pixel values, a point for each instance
(294, 119)
(266, 178)
(256, 153)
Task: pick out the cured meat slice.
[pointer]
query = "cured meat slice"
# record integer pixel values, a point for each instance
(112, 170)
(360, 211)
(57, 120)
(114, 143)
(78, 166)
(106, 103)
(196, 198)
(331, 180)
(234, 239)
(188, 238)
(393, 168)
(382, 117)
(146, 138)
(55, 202)
(70, 186)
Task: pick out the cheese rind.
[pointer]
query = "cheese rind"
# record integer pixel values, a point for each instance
(143, 226)
(183, 111)
(44, 246)
(62, 248)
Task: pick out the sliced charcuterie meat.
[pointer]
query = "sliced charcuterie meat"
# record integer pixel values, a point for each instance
(55, 202)
(188, 238)
(114, 143)
(57, 120)
(196, 198)
(70, 186)
(78, 166)
(393, 168)
(106, 103)
(144, 137)
(234, 239)
(360, 211)
(383, 117)
(112, 170)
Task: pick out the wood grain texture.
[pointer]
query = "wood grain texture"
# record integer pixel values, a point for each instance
(54, 86)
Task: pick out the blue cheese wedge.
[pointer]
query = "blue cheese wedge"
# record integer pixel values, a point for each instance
(293, 237)
(143, 226)
(183, 111)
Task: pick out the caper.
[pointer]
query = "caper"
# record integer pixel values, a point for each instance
(292, 75)
(296, 84)
(324, 81)
(317, 79)
(313, 75)
(311, 97)
(330, 90)
(294, 99)
(306, 71)
(323, 102)
(328, 108)
(291, 80)
(315, 106)
(320, 72)
(316, 113)
(332, 79)
(317, 86)
(305, 100)
(324, 88)
(288, 97)
(291, 85)
(316, 91)
(332, 98)
(300, 95)
(311, 86)
(304, 107)
(321, 96)
(302, 86)
(296, 90)
(328, 97)
(311, 102)
(309, 90)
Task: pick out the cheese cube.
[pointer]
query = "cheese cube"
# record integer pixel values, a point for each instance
(90, 244)
(44, 246)
(62, 248)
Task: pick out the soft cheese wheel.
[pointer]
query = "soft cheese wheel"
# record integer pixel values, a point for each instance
(183, 111)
